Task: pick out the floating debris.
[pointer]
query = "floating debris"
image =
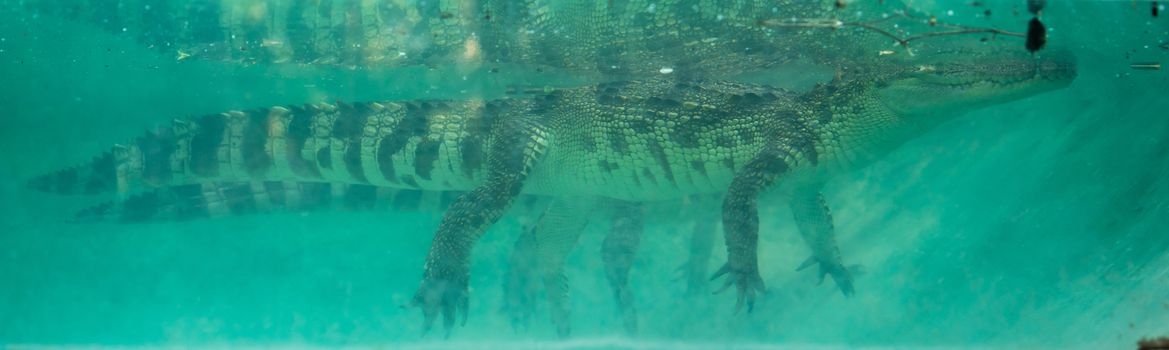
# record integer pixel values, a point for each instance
(1146, 66)
(1154, 344)
(840, 4)
(1156, 9)
(886, 52)
(528, 90)
(1036, 6)
(933, 21)
(182, 55)
(666, 70)
(1164, 45)
(1036, 35)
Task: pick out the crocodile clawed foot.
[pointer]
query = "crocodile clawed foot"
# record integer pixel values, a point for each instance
(519, 312)
(840, 274)
(520, 295)
(437, 295)
(695, 277)
(563, 324)
(626, 309)
(746, 282)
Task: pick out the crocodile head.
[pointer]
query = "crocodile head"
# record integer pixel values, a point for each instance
(880, 104)
(946, 83)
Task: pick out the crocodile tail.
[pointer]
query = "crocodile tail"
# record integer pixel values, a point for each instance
(158, 158)
(208, 200)
(229, 199)
(314, 142)
(96, 176)
(428, 145)
(188, 151)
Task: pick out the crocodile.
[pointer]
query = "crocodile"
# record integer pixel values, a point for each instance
(534, 264)
(668, 140)
(636, 141)
(636, 38)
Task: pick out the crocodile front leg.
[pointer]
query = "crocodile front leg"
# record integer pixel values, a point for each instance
(814, 220)
(618, 251)
(516, 148)
(741, 223)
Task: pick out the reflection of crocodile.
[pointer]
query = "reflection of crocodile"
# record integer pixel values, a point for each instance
(537, 260)
(628, 38)
(634, 141)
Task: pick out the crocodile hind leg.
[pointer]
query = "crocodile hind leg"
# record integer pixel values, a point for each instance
(539, 258)
(741, 223)
(520, 284)
(702, 234)
(814, 220)
(556, 235)
(518, 144)
(618, 251)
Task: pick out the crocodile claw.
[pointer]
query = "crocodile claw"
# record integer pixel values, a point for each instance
(520, 314)
(520, 295)
(840, 274)
(746, 282)
(440, 295)
(695, 282)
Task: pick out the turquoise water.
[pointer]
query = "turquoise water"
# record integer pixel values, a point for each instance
(1036, 223)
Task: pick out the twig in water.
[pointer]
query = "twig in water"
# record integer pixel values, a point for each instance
(871, 25)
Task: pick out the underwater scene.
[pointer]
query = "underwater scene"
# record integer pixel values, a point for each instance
(539, 174)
